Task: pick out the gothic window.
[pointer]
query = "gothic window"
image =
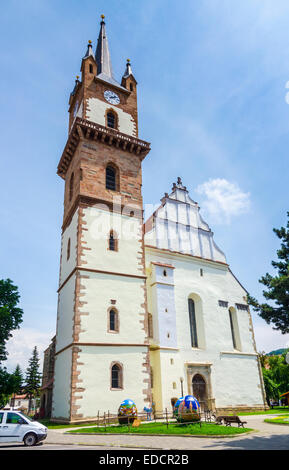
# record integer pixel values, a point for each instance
(68, 250)
(193, 324)
(71, 182)
(90, 68)
(112, 241)
(234, 329)
(113, 320)
(116, 376)
(111, 120)
(110, 178)
(131, 87)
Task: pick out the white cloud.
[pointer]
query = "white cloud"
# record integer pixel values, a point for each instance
(21, 345)
(223, 200)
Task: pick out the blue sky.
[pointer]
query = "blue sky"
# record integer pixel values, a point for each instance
(212, 80)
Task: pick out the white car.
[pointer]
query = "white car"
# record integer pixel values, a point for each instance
(16, 427)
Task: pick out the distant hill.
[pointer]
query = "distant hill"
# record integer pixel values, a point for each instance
(277, 352)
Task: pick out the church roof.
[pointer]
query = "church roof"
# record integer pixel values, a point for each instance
(178, 226)
(102, 58)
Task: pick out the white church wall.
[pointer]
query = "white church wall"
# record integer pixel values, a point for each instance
(240, 374)
(95, 376)
(215, 337)
(62, 385)
(65, 314)
(96, 111)
(67, 265)
(98, 290)
(129, 233)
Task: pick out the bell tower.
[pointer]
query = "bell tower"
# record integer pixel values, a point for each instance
(102, 348)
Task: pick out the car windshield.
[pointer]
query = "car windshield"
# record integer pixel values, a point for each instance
(26, 417)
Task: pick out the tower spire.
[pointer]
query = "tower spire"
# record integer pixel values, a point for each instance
(102, 55)
(128, 70)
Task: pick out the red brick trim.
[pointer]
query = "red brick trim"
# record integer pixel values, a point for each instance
(71, 345)
(79, 268)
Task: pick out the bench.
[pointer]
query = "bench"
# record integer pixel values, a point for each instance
(219, 419)
(228, 420)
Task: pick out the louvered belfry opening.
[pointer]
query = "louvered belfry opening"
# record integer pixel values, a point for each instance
(110, 178)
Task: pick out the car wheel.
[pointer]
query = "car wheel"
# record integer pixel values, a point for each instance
(30, 440)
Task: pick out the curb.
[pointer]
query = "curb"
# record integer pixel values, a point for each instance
(201, 436)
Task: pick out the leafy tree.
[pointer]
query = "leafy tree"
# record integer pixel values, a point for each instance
(277, 287)
(276, 375)
(6, 386)
(10, 314)
(33, 377)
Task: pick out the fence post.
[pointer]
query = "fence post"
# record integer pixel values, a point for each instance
(98, 418)
(167, 418)
(108, 417)
(104, 421)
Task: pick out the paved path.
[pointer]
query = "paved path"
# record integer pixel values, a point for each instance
(269, 436)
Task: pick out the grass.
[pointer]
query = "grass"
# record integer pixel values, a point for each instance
(274, 411)
(207, 429)
(279, 420)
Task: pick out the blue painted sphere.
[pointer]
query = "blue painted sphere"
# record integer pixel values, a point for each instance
(127, 407)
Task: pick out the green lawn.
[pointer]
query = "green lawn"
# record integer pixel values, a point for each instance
(279, 420)
(276, 410)
(207, 429)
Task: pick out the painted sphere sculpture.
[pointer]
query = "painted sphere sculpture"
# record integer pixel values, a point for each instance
(189, 409)
(127, 412)
(176, 406)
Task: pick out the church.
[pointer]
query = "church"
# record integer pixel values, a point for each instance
(147, 311)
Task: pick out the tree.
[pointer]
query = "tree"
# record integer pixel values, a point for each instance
(17, 380)
(6, 386)
(33, 377)
(277, 287)
(10, 314)
(276, 375)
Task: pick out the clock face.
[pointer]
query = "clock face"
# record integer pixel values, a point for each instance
(111, 97)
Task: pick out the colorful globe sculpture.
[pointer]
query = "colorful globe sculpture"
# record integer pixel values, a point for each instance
(188, 410)
(127, 412)
(176, 406)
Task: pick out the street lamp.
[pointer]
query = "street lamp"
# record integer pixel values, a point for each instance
(182, 388)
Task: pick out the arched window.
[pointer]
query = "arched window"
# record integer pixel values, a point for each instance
(112, 241)
(110, 178)
(90, 68)
(193, 324)
(113, 321)
(68, 250)
(71, 183)
(234, 329)
(116, 376)
(131, 87)
(111, 120)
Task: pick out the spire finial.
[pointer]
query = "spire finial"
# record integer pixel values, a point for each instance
(102, 18)
(128, 70)
(89, 51)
